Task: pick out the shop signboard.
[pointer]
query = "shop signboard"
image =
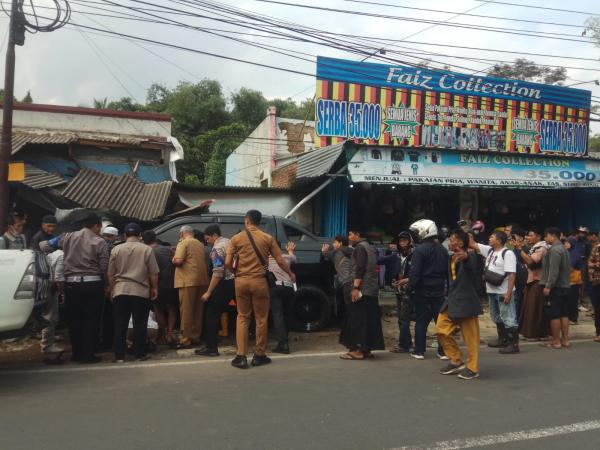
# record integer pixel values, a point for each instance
(405, 106)
(387, 165)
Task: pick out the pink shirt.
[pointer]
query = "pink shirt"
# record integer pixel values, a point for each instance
(537, 253)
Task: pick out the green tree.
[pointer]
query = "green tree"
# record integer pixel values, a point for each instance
(125, 104)
(526, 70)
(206, 156)
(101, 104)
(197, 108)
(289, 109)
(156, 97)
(249, 107)
(594, 143)
(27, 98)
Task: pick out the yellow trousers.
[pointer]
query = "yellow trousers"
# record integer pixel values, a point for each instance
(469, 328)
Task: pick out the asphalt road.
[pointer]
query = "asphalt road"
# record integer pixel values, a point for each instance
(308, 402)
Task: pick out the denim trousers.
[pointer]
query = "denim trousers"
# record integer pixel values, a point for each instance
(502, 313)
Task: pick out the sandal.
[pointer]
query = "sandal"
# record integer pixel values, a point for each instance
(552, 346)
(567, 345)
(350, 356)
(597, 339)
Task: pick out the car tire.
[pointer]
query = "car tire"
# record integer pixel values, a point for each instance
(310, 310)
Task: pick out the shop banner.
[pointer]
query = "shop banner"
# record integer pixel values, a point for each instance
(385, 165)
(416, 107)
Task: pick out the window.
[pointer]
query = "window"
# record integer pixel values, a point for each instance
(171, 234)
(231, 229)
(295, 234)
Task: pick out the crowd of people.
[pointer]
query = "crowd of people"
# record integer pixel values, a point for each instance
(110, 281)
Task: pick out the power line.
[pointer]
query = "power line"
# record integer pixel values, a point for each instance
(504, 30)
(512, 19)
(521, 5)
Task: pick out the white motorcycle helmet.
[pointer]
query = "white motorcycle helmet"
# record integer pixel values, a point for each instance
(424, 229)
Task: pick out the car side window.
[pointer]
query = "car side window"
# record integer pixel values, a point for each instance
(294, 234)
(171, 235)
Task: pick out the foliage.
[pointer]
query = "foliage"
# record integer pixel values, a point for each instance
(526, 70)
(205, 126)
(594, 143)
(27, 98)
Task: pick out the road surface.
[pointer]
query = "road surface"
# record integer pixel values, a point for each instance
(311, 401)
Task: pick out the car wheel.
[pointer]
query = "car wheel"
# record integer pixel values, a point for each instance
(310, 309)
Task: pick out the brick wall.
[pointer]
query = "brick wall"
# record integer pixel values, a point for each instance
(284, 177)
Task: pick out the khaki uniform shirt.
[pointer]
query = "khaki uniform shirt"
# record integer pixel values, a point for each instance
(131, 265)
(248, 265)
(193, 271)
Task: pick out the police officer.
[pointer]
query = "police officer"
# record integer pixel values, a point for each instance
(85, 265)
(251, 287)
(133, 281)
(220, 290)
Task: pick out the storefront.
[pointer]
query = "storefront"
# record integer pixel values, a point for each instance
(424, 143)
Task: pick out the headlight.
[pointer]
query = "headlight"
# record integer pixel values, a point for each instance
(26, 289)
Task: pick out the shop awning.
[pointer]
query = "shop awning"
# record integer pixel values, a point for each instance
(318, 163)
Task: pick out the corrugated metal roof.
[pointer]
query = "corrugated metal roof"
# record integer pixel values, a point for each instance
(40, 179)
(20, 139)
(123, 194)
(318, 162)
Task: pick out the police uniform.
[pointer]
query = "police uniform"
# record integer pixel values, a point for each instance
(251, 288)
(223, 293)
(191, 278)
(131, 266)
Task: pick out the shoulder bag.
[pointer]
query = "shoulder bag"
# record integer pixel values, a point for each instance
(491, 277)
(269, 276)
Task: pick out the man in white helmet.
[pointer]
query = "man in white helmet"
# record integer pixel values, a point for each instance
(428, 279)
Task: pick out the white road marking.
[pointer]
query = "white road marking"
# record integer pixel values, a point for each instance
(164, 363)
(516, 436)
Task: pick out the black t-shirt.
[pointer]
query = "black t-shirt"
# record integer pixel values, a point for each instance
(164, 259)
(38, 237)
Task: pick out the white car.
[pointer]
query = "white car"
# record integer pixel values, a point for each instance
(17, 288)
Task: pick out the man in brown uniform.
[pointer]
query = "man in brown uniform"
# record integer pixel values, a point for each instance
(251, 287)
(191, 278)
(133, 281)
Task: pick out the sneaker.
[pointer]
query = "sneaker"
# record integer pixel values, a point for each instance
(417, 355)
(468, 374)
(443, 357)
(583, 309)
(260, 360)
(53, 349)
(451, 369)
(241, 362)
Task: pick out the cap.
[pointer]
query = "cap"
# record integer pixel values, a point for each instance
(49, 219)
(133, 229)
(110, 231)
(583, 229)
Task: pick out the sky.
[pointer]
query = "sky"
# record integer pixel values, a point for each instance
(74, 65)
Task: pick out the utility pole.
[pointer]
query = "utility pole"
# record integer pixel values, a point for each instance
(7, 116)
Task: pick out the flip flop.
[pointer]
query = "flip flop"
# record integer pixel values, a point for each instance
(566, 345)
(552, 346)
(350, 357)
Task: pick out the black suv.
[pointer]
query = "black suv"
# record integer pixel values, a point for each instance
(313, 303)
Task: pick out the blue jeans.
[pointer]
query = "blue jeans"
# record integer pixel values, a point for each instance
(501, 313)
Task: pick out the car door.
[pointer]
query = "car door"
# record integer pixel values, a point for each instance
(308, 246)
(169, 232)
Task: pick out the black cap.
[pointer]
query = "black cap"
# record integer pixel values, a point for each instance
(49, 219)
(133, 229)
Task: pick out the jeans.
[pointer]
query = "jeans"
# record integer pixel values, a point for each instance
(84, 302)
(138, 308)
(427, 309)
(501, 313)
(281, 299)
(574, 297)
(215, 306)
(405, 308)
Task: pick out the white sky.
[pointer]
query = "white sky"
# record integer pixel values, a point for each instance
(62, 68)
